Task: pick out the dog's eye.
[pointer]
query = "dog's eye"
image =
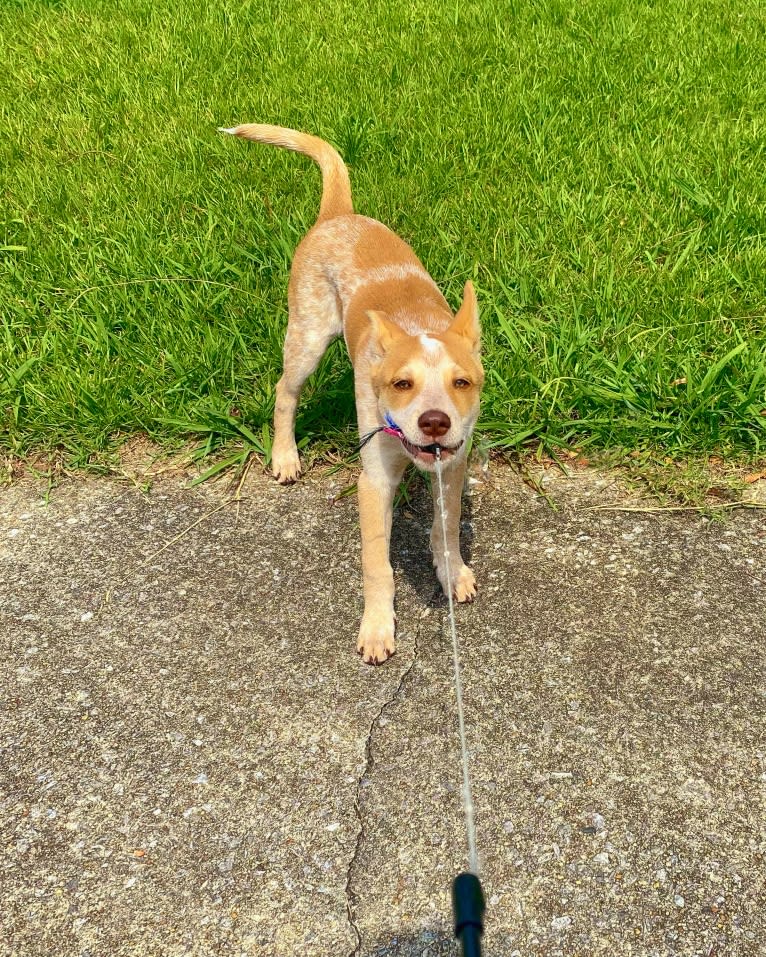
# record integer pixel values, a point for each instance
(402, 384)
(462, 384)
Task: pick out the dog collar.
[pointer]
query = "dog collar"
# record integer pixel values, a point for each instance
(391, 428)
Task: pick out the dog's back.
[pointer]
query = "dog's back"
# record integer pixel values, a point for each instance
(352, 261)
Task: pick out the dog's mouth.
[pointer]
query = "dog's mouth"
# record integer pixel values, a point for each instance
(421, 454)
(427, 453)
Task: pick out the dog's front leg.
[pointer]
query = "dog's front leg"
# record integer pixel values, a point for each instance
(462, 583)
(376, 634)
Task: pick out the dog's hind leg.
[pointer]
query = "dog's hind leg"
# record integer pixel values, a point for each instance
(314, 321)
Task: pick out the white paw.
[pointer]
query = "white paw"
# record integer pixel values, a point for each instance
(376, 638)
(464, 585)
(285, 465)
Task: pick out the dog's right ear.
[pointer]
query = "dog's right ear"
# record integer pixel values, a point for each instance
(383, 332)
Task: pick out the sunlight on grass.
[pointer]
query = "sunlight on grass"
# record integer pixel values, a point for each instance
(602, 184)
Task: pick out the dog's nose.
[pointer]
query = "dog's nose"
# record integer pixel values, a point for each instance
(434, 423)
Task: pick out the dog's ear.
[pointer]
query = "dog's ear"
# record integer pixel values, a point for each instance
(466, 321)
(383, 331)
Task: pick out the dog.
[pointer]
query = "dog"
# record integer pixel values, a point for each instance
(417, 373)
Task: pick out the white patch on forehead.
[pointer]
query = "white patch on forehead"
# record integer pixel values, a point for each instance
(431, 346)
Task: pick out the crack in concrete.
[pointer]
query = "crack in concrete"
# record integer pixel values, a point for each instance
(351, 897)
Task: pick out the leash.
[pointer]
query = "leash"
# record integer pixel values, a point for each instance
(467, 895)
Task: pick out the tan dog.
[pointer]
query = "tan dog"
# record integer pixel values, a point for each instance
(416, 370)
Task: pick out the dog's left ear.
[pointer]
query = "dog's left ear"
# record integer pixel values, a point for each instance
(466, 321)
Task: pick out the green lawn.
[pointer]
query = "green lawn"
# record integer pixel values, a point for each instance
(597, 166)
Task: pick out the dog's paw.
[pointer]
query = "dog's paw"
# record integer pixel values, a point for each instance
(464, 585)
(286, 466)
(376, 639)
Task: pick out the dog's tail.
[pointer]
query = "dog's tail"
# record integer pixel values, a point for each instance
(336, 186)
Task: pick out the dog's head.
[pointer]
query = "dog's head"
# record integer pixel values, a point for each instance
(428, 385)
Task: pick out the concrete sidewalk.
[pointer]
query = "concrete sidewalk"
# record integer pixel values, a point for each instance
(194, 761)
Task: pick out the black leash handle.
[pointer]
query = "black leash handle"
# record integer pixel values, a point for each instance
(468, 911)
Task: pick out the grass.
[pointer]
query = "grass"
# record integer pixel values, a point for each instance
(597, 167)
